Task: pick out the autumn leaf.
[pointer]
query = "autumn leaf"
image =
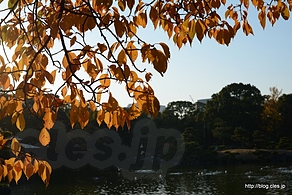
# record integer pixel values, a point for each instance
(2, 142)
(44, 137)
(148, 76)
(122, 59)
(132, 50)
(17, 170)
(20, 122)
(104, 81)
(28, 170)
(100, 117)
(15, 146)
(262, 17)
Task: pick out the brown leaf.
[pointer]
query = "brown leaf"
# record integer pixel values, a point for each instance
(122, 58)
(148, 76)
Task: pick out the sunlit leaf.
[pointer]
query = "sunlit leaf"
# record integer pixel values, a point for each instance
(44, 137)
(20, 122)
(15, 146)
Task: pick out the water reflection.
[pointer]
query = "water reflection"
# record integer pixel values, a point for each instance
(239, 180)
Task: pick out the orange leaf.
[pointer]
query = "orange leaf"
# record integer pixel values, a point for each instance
(44, 137)
(92, 106)
(246, 3)
(133, 52)
(100, 117)
(64, 91)
(49, 119)
(20, 122)
(15, 146)
(17, 170)
(28, 170)
(262, 17)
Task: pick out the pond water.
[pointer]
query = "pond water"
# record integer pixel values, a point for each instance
(241, 179)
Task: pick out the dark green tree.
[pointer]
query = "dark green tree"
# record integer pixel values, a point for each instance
(236, 105)
(285, 111)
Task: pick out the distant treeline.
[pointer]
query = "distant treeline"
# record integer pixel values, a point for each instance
(238, 116)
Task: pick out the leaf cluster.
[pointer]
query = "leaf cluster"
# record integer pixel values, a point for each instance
(23, 163)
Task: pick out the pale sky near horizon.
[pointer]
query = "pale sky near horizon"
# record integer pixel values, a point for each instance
(263, 60)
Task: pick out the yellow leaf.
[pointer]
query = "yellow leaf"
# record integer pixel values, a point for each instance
(44, 137)
(20, 122)
(104, 81)
(15, 146)
(35, 166)
(142, 19)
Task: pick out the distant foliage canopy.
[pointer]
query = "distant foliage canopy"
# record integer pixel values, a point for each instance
(90, 45)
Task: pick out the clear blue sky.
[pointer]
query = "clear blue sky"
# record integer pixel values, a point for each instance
(263, 60)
